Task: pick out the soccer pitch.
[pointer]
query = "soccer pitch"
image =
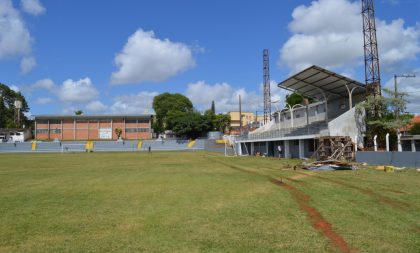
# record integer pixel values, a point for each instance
(201, 202)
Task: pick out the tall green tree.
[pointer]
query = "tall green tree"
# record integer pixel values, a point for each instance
(213, 107)
(385, 114)
(7, 108)
(190, 124)
(296, 98)
(165, 103)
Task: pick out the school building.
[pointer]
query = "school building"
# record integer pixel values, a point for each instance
(93, 127)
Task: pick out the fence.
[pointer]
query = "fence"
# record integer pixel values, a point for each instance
(400, 159)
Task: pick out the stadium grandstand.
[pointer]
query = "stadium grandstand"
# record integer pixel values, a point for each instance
(298, 131)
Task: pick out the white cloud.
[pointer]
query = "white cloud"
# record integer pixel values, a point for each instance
(27, 64)
(43, 100)
(14, 88)
(321, 36)
(226, 97)
(96, 106)
(47, 84)
(80, 91)
(411, 86)
(136, 103)
(15, 39)
(33, 7)
(147, 58)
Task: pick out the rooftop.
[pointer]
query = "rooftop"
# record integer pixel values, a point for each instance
(315, 82)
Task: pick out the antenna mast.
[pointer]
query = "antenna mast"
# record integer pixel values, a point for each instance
(372, 72)
(267, 95)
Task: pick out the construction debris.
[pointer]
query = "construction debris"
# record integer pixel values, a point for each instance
(328, 165)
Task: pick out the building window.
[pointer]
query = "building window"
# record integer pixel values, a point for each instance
(131, 130)
(42, 131)
(55, 121)
(56, 131)
(42, 121)
(143, 130)
(143, 121)
(130, 121)
(81, 121)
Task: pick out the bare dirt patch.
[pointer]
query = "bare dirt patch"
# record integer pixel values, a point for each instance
(318, 222)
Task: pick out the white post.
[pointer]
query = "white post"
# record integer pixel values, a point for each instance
(413, 146)
(387, 142)
(291, 116)
(301, 149)
(252, 148)
(375, 145)
(266, 148)
(286, 149)
(399, 142)
(355, 143)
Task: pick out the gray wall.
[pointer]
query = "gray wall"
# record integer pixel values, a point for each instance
(401, 159)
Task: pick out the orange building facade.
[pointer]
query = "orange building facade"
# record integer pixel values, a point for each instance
(93, 127)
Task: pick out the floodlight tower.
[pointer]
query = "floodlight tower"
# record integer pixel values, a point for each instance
(372, 72)
(267, 95)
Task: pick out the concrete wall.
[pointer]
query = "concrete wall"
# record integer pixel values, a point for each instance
(347, 125)
(401, 159)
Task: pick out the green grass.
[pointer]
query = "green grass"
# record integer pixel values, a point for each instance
(197, 202)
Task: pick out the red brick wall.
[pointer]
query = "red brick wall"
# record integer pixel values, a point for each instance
(88, 130)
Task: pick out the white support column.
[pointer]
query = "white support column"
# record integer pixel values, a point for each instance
(286, 149)
(399, 142)
(356, 142)
(62, 130)
(375, 144)
(301, 149)
(252, 148)
(413, 145)
(387, 142)
(266, 148)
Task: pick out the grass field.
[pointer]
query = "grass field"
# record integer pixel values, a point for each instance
(201, 202)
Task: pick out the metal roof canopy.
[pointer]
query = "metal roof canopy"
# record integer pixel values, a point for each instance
(319, 83)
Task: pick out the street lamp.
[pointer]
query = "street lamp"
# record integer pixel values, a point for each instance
(291, 111)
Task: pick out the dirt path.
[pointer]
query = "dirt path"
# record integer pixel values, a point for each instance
(318, 222)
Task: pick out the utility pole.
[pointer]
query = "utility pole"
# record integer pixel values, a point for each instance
(397, 113)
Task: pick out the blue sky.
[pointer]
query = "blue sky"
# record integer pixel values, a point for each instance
(114, 56)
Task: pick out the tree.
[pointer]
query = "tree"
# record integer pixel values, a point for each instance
(415, 129)
(78, 112)
(222, 122)
(190, 124)
(295, 98)
(118, 132)
(384, 114)
(165, 103)
(7, 108)
(213, 107)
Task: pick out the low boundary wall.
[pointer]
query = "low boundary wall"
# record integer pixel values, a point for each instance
(400, 159)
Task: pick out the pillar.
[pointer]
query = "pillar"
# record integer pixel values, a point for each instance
(399, 142)
(413, 145)
(301, 149)
(286, 149)
(266, 148)
(252, 148)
